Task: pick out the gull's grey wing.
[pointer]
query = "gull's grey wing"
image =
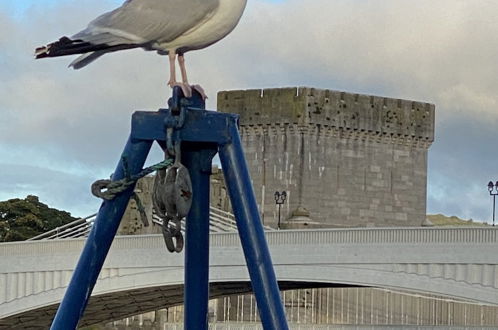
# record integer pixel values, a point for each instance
(145, 21)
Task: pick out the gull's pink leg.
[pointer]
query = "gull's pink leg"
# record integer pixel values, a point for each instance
(187, 91)
(181, 62)
(172, 69)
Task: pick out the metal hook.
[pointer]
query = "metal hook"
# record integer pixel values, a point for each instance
(173, 237)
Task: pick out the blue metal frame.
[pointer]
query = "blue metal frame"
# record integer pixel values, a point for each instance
(202, 134)
(99, 240)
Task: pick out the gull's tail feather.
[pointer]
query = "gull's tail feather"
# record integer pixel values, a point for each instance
(65, 46)
(86, 59)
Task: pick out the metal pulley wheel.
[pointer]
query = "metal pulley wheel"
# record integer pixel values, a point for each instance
(158, 192)
(178, 199)
(183, 192)
(172, 200)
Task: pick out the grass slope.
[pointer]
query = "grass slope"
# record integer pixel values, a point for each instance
(442, 220)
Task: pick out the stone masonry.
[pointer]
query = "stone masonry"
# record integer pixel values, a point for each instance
(349, 159)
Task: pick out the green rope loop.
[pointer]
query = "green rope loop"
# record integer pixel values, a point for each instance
(108, 189)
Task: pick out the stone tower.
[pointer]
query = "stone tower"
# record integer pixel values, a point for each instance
(348, 159)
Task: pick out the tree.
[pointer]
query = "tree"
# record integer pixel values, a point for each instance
(21, 219)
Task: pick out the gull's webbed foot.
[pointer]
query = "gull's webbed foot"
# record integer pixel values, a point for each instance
(200, 90)
(186, 89)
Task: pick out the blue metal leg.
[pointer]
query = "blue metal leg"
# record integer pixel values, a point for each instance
(99, 241)
(251, 233)
(197, 158)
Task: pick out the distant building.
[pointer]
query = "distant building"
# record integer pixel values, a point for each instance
(349, 159)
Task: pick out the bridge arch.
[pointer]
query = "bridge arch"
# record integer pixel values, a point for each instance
(139, 274)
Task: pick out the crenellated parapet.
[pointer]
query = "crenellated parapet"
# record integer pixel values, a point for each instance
(334, 113)
(349, 159)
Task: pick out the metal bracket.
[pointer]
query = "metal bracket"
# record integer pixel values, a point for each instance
(189, 120)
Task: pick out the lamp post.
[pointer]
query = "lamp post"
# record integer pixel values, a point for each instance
(493, 191)
(280, 198)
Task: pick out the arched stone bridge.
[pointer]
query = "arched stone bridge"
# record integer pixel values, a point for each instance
(139, 275)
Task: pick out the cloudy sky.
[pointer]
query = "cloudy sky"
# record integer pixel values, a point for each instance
(60, 129)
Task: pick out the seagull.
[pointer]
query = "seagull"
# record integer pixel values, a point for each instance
(169, 27)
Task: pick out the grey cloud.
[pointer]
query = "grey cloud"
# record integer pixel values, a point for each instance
(438, 51)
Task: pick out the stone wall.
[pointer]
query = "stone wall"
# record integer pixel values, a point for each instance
(132, 222)
(218, 191)
(350, 159)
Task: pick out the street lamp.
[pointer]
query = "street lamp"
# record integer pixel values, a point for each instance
(492, 187)
(280, 198)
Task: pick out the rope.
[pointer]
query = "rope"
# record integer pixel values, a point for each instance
(141, 210)
(108, 189)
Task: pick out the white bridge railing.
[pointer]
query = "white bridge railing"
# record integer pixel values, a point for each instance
(75, 229)
(219, 220)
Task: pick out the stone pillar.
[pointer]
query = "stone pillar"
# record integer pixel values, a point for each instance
(350, 159)
(219, 195)
(161, 318)
(132, 224)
